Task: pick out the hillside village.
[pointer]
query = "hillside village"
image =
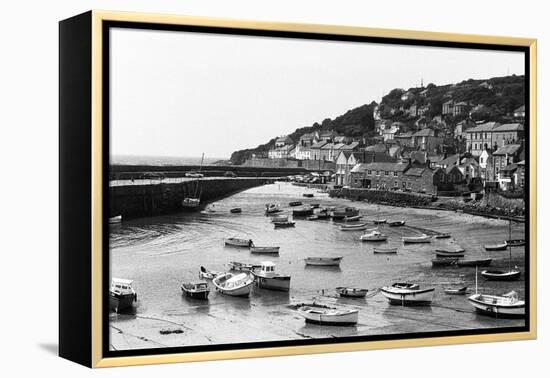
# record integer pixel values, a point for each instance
(429, 139)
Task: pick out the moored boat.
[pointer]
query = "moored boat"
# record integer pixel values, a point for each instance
(115, 219)
(269, 250)
(196, 290)
(242, 267)
(515, 242)
(345, 212)
(506, 306)
(474, 262)
(385, 250)
(353, 219)
(266, 278)
(501, 275)
(496, 247)
(308, 195)
(398, 223)
(315, 205)
(417, 239)
(279, 218)
(121, 294)
(373, 236)
(408, 294)
(444, 261)
(236, 210)
(284, 224)
(448, 252)
(236, 242)
(324, 261)
(326, 315)
(208, 274)
(354, 227)
(442, 235)
(295, 203)
(379, 221)
(456, 291)
(272, 208)
(236, 285)
(351, 292)
(303, 211)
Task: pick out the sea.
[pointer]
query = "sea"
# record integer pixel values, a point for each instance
(162, 160)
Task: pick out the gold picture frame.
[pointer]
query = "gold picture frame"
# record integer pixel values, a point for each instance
(91, 28)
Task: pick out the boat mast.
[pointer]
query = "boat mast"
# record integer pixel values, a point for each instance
(476, 278)
(509, 246)
(198, 179)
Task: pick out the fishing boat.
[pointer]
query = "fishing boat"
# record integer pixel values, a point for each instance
(206, 274)
(266, 278)
(236, 210)
(295, 203)
(353, 219)
(315, 205)
(265, 250)
(474, 262)
(444, 261)
(408, 294)
(379, 221)
(279, 218)
(351, 292)
(236, 285)
(456, 291)
(447, 252)
(121, 294)
(284, 224)
(345, 212)
(324, 261)
(303, 211)
(373, 236)
(308, 195)
(192, 201)
(236, 242)
(242, 267)
(442, 235)
(515, 242)
(501, 275)
(354, 227)
(196, 290)
(115, 219)
(272, 208)
(384, 250)
(396, 223)
(417, 239)
(496, 247)
(326, 315)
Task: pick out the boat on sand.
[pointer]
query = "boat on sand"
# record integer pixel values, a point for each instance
(373, 236)
(208, 274)
(324, 261)
(196, 290)
(325, 315)
(417, 239)
(351, 292)
(236, 285)
(408, 294)
(384, 250)
(267, 278)
(236, 242)
(353, 227)
(268, 250)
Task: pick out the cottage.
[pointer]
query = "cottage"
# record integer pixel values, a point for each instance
(404, 139)
(282, 141)
(420, 180)
(512, 177)
(378, 175)
(480, 137)
(427, 140)
(282, 152)
(344, 163)
(506, 155)
(520, 112)
(315, 150)
(462, 127)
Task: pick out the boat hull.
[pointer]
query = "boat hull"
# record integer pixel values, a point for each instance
(385, 250)
(497, 311)
(409, 297)
(203, 295)
(496, 247)
(237, 243)
(280, 283)
(480, 262)
(500, 276)
(118, 303)
(323, 261)
(345, 319)
(265, 250)
(416, 240)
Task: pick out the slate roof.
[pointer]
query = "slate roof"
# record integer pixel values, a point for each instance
(450, 160)
(319, 144)
(509, 127)
(509, 149)
(416, 171)
(489, 126)
(424, 133)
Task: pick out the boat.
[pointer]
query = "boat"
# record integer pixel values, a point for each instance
(496, 247)
(515, 242)
(354, 227)
(446, 252)
(458, 291)
(379, 221)
(315, 205)
(353, 219)
(284, 224)
(208, 274)
(196, 290)
(266, 278)
(236, 210)
(121, 294)
(396, 223)
(417, 239)
(474, 262)
(324, 261)
(295, 203)
(442, 235)
(303, 211)
(271, 250)
(236, 285)
(272, 208)
(242, 267)
(505, 306)
(408, 294)
(325, 315)
(444, 261)
(385, 250)
(115, 219)
(192, 201)
(373, 236)
(351, 292)
(308, 195)
(345, 212)
(279, 218)
(236, 242)
(501, 275)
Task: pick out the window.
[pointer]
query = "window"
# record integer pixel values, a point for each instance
(369, 172)
(386, 173)
(378, 173)
(394, 174)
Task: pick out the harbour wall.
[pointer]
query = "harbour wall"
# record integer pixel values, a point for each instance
(139, 200)
(384, 197)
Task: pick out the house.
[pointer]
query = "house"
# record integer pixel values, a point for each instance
(303, 152)
(353, 146)
(344, 163)
(447, 107)
(448, 161)
(342, 139)
(326, 151)
(315, 150)
(427, 140)
(469, 167)
(509, 133)
(308, 139)
(520, 112)
(283, 141)
(388, 134)
(504, 156)
(455, 109)
(404, 139)
(480, 137)
(420, 180)
(462, 126)
(407, 96)
(328, 136)
(512, 176)
(378, 175)
(282, 152)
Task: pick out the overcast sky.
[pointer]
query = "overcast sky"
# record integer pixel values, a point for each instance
(182, 94)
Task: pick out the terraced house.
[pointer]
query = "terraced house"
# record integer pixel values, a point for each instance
(378, 175)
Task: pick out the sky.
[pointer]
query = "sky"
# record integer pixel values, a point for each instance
(184, 94)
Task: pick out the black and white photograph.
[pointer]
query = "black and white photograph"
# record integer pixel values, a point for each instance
(279, 189)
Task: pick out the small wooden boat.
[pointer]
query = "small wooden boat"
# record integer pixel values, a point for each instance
(446, 252)
(208, 274)
(408, 294)
(324, 261)
(351, 292)
(115, 219)
(505, 306)
(315, 205)
(515, 242)
(236, 242)
(379, 221)
(444, 261)
(121, 294)
(457, 291)
(384, 250)
(501, 275)
(295, 203)
(326, 315)
(236, 285)
(266, 278)
(303, 211)
(196, 290)
(354, 227)
(308, 195)
(442, 235)
(353, 219)
(268, 250)
(396, 223)
(417, 239)
(279, 218)
(284, 224)
(236, 210)
(345, 212)
(406, 285)
(373, 236)
(242, 267)
(474, 262)
(272, 208)
(496, 247)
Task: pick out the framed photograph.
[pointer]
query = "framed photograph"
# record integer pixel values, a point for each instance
(234, 189)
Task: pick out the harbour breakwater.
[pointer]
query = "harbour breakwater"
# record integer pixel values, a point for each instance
(384, 197)
(133, 199)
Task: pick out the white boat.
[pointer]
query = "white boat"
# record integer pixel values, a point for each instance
(496, 247)
(353, 227)
(121, 294)
(448, 252)
(279, 218)
(208, 274)
(379, 221)
(266, 278)
(352, 219)
(417, 239)
(397, 223)
(236, 285)
(442, 235)
(324, 261)
(408, 294)
(505, 306)
(269, 250)
(384, 250)
(192, 202)
(242, 267)
(345, 212)
(373, 236)
(115, 219)
(272, 208)
(351, 292)
(236, 242)
(326, 315)
(501, 275)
